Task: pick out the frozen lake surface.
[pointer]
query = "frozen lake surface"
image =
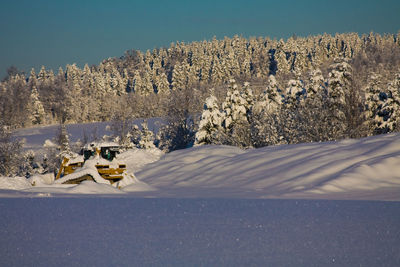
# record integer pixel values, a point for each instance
(127, 231)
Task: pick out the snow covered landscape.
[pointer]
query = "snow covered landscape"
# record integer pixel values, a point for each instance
(356, 169)
(316, 204)
(200, 133)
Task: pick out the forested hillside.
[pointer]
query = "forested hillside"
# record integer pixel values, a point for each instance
(256, 91)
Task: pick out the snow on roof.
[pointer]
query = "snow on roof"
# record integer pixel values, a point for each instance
(89, 168)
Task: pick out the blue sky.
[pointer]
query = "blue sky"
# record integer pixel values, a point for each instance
(56, 33)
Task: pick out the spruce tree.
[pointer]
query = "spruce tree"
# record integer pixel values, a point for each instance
(293, 124)
(375, 99)
(147, 83)
(236, 110)
(316, 84)
(62, 140)
(37, 113)
(295, 93)
(137, 81)
(280, 56)
(210, 122)
(391, 108)
(180, 76)
(339, 82)
(234, 107)
(266, 115)
(162, 84)
(42, 76)
(146, 137)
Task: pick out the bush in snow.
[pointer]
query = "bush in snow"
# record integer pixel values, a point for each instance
(387, 118)
(179, 131)
(177, 134)
(29, 166)
(10, 153)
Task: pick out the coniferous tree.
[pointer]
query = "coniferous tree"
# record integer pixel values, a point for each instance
(137, 81)
(32, 79)
(391, 108)
(339, 81)
(62, 141)
(236, 123)
(42, 75)
(180, 76)
(293, 125)
(37, 113)
(210, 122)
(295, 93)
(146, 137)
(375, 99)
(247, 94)
(316, 85)
(217, 73)
(147, 84)
(283, 65)
(14, 97)
(315, 113)
(162, 84)
(233, 107)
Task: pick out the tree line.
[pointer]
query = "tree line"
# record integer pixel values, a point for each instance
(140, 84)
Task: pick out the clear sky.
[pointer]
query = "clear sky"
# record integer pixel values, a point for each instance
(59, 32)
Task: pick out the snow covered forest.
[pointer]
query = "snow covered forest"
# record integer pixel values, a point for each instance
(236, 91)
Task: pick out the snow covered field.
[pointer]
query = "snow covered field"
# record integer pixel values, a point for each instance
(294, 205)
(364, 169)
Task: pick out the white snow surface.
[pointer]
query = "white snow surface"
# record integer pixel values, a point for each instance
(363, 169)
(367, 168)
(14, 183)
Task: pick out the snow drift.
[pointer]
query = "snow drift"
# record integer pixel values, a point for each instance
(367, 168)
(349, 169)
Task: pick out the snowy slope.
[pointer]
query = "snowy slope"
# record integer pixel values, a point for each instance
(367, 168)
